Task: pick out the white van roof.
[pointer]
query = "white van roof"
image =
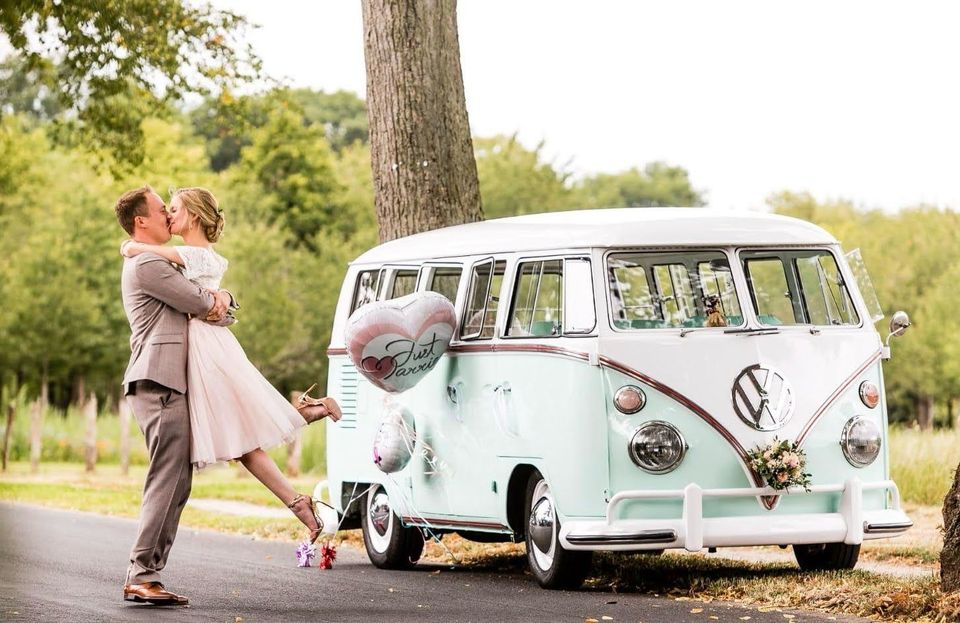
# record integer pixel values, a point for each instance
(618, 227)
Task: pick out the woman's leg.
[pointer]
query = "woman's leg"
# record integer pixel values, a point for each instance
(266, 471)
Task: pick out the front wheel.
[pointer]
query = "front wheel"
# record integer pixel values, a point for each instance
(826, 556)
(389, 545)
(553, 566)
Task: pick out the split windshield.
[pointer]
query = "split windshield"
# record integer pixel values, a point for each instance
(672, 290)
(695, 288)
(798, 287)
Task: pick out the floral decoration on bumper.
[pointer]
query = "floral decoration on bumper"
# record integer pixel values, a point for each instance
(781, 464)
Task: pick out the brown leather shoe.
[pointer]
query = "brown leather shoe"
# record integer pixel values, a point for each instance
(154, 593)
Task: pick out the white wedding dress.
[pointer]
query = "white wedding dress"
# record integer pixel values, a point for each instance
(233, 408)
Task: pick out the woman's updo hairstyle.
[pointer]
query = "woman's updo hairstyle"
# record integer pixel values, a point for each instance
(201, 203)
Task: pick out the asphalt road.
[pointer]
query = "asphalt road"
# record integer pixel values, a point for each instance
(64, 566)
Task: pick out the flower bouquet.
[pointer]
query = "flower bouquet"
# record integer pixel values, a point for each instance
(781, 464)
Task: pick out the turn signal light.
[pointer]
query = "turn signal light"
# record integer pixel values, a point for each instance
(869, 394)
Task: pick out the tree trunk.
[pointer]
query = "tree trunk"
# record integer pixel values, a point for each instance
(79, 391)
(950, 554)
(424, 171)
(90, 442)
(925, 412)
(123, 411)
(295, 447)
(11, 411)
(44, 389)
(954, 406)
(36, 434)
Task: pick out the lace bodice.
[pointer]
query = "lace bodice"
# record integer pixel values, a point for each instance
(204, 267)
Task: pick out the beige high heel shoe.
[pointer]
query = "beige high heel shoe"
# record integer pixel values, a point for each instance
(325, 516)
(314, 409)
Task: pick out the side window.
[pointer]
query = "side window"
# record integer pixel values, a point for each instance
(404, 283)
(771, 294)
(536, 310)
(483, 300)
(578, 303)
(445, 280)
(366, 289)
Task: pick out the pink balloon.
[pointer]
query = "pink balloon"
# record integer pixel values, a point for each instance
(396, 343)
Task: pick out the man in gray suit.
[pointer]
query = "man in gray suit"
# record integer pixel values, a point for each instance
(158, 301)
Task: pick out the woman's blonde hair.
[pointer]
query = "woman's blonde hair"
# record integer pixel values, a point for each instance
(201, 203)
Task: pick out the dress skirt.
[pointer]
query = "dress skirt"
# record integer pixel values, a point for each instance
(233, 409)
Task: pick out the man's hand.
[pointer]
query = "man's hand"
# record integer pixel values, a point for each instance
(220, 306)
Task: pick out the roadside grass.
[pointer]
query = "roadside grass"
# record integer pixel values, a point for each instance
(67, 486)
(922, 463)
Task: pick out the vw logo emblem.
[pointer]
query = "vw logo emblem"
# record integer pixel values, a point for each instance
(763, 398)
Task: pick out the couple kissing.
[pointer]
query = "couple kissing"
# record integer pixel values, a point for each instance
(196, 397)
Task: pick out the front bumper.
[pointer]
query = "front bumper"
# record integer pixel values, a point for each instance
(850, 524)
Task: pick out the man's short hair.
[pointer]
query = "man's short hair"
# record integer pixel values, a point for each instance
(130, 205)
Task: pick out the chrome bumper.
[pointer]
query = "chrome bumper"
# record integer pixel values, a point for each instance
(851, 524)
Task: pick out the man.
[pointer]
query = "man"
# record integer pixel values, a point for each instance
(158, 300)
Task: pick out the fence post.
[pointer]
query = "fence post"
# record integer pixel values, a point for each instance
(295, 447)
(90, 445)
(36, 434)
(11, 411)
(123, 410)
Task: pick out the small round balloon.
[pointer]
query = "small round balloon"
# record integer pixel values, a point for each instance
(396, 343)
(393, 445)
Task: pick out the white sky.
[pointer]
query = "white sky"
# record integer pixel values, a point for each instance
(856, 99)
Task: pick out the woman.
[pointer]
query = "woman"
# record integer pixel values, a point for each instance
(234, 411)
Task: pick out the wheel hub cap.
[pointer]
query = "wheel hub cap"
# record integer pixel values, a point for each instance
(380, 513)
(541, 524)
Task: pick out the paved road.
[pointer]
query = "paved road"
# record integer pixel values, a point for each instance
(63, 566)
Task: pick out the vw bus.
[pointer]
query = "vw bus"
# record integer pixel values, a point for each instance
(610, 374)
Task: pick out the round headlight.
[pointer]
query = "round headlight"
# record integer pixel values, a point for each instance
(629, 399)
(869, 394)
(657, 447)
(860, 441)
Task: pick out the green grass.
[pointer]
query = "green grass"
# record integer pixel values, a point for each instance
(62, 440)
(107, 492)
(922, 463)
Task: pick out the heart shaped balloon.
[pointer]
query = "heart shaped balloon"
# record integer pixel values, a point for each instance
(396, 343)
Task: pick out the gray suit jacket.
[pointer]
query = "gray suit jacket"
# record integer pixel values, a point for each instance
(157, 299)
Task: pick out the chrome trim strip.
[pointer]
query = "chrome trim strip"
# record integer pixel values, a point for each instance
(644, 536)
(886, 528)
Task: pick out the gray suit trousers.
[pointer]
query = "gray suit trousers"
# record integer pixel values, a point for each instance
(165, 422)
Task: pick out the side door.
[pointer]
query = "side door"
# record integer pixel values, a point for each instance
(455, 479)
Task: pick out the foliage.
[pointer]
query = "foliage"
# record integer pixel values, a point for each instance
(292, 166)
(515, 180)
(226, 123)
(657, 185)
(115, 60)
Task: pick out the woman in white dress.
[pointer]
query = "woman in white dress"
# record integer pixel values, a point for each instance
(235, 413)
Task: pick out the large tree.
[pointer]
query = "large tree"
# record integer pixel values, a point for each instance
(424, 171)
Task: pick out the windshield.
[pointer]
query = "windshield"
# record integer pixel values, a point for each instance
(791, 287)
(672, 290)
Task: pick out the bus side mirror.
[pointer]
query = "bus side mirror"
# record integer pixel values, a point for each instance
(898, 325)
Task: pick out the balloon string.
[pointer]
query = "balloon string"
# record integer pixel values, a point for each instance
(427, 527)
